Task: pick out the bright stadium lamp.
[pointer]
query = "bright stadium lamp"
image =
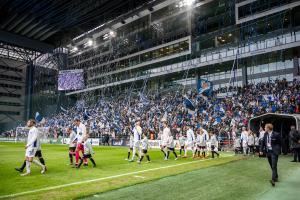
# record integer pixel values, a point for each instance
(90, 42)
(189, 2)
(112, 33)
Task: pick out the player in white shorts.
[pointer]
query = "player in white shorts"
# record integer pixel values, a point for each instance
(81, 137)
(130, 149)
(38, 154)
(201, 142)
(171, 147)
(31, 147)
(165, 138)
(137, 133)
(145, 147)
(181, 141)
(213, 144)
(190, 141)
(72, 144)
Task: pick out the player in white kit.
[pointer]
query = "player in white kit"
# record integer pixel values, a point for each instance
(130, 149)
(72, 144)
(181, 141)
(137, 133)
(165, 138)
(145, 147)
(38, 153)
(190, 141)
(171, 147)
(201, 143)
(31, 148)
(81, 137)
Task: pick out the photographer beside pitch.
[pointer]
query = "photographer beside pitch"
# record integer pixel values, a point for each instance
(271, 144)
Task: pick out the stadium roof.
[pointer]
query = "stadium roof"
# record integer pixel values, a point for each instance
(55, 23)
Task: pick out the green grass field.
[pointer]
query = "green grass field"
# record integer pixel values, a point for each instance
(229, 177)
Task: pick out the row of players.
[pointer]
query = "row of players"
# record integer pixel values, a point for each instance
(79, 143)
(200, 143)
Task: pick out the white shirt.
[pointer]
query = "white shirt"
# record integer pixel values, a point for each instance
(201, 140)
(190, 136)
(40, 133)
(181, 141)
(88, 148)
(72, 138)
(250, 140)
(145, 144)
(32, 138)
(80, 132)
(137, 132)
(213, 140)
(206, 136)
(165, 136)
(171, 142)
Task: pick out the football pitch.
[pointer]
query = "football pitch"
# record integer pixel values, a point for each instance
(227, 177)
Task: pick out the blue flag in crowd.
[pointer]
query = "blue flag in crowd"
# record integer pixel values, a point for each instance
(204, 87)
(64, 110)
(143, 99)
(86, 115)
(188, 103)
(38, 118)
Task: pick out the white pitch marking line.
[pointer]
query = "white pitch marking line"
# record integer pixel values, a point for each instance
(101, 179)
(139, 177)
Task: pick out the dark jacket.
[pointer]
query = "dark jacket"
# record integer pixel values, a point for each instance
(294, 138)
(275, 143)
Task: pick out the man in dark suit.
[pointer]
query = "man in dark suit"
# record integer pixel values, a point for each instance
(295, 143)
(271, 143)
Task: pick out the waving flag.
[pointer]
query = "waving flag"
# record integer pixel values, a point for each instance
(143, 99)
(204, 87)
(64, 110)
(39, 118)
(188, 104)
(86, 115)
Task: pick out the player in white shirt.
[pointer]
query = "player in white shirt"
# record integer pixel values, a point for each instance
(31, 147)
(137, 133)
(251, 143)
(72, 144)
(214, 144)
(201, 142)
(130, 149)
(181, 141)
(237, 145)
(145, 147)
(244, 140)
(81, 137)
(38, 153)
(190, 140)
(88, 151)
(165, 138)
(171, 147)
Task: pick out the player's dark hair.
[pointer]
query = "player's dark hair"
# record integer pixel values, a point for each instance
(32, 121)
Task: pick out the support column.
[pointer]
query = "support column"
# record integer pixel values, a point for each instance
(244, 75)
(296, 71)
(29, 91)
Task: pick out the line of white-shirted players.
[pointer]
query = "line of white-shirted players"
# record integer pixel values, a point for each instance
(202, 142)
(139, 144)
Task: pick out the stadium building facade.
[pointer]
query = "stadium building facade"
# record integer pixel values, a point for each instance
(175, 43)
